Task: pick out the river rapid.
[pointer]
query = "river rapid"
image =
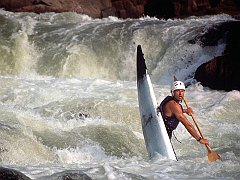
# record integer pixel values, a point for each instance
(68, 97)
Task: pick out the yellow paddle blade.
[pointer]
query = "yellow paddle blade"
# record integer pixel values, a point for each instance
(213, 156)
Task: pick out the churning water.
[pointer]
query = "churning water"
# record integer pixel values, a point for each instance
(68, 97)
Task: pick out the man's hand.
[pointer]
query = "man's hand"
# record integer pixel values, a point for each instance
(189, 111)
(204, 141)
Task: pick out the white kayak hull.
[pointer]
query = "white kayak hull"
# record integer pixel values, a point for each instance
(154, 131)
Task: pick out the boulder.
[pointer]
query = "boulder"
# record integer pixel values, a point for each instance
(221, 73)
(11, 174)
(69, 175)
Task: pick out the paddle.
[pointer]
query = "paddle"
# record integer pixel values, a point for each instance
(212, 156)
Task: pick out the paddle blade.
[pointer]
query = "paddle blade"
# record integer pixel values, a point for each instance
(213, 156)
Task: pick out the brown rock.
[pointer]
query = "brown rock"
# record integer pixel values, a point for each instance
(221, 73)
(93, 8)
(127, 8)
(109, 12)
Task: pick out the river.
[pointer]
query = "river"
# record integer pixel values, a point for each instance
(68, 97)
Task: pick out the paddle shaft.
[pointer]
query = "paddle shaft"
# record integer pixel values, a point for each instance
(195, 122)
(194, 119)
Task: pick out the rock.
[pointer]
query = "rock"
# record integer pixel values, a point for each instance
(69, 175)
(221, 73)
(160, 9)
(11, 174)
(93, 8)
(126, 8)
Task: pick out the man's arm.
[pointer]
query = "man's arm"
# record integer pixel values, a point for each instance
(178, 113)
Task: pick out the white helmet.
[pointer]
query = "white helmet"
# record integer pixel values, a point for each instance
(177, 85)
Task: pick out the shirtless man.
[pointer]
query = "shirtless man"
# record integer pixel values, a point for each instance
(173, 113)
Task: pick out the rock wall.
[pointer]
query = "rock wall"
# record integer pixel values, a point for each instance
(126, 8)
(93, 8)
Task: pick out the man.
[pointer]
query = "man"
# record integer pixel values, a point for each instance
(172, 112)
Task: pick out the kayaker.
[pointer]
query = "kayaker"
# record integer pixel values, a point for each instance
(172, 112)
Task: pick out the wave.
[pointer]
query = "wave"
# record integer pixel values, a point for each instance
(75, 46)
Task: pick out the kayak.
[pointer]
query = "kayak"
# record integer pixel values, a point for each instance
(154, 131)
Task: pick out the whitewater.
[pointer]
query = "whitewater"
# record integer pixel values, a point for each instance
(68, 97)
